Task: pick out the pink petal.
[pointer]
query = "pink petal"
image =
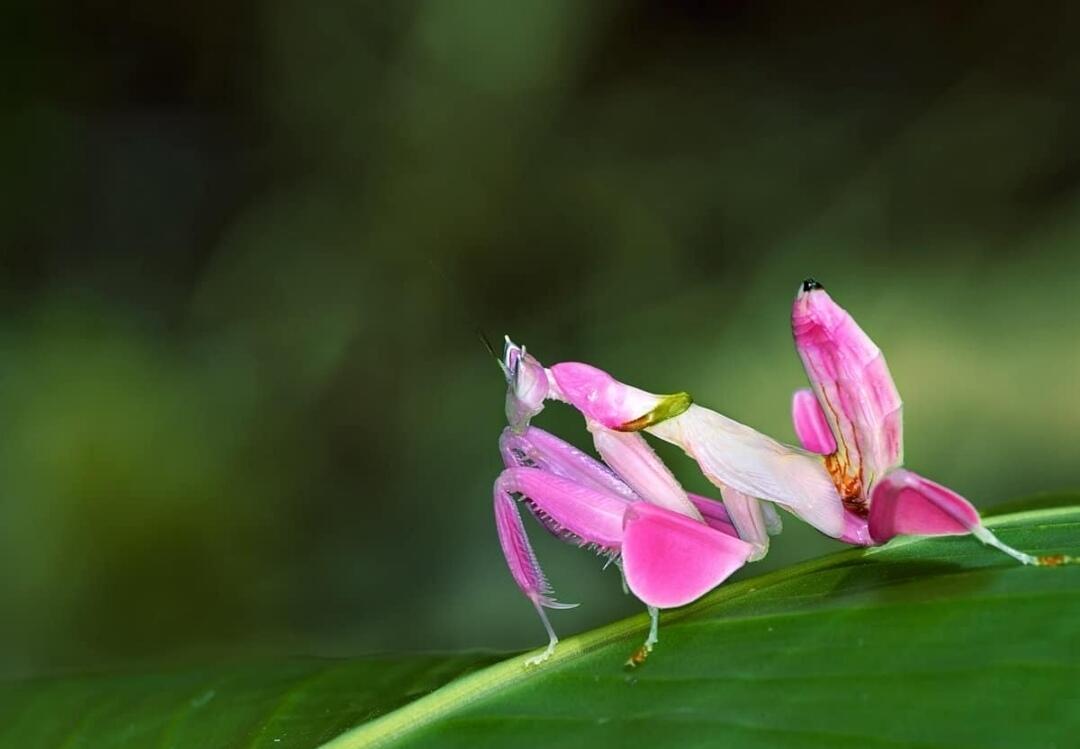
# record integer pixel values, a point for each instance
(904, 502)
(670, 560)
(811, 426)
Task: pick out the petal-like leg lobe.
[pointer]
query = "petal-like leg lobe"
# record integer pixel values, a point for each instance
(811, 426)
(629, 455)
(904, 502)
(735, 455)
(670, 560)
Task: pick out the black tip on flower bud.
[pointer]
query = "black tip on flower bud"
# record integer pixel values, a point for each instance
(810, 284)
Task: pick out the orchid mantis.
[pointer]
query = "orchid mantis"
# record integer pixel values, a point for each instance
(672, 547)
(846, 480)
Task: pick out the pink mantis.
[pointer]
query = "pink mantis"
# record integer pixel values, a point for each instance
(673, 547)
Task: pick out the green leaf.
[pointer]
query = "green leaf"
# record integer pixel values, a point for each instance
(924, 642)
(1040, 501)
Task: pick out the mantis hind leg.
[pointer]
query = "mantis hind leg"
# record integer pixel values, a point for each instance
(903, 502)
(654, 628)
(553, 640)
(642, 653)
(747, 516)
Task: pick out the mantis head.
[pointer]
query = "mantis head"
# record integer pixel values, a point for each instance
(527, 385)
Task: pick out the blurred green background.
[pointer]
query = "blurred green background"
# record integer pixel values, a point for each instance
(245, 248)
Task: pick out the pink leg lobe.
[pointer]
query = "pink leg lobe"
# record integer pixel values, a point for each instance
(670, 560)
(903, 502)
